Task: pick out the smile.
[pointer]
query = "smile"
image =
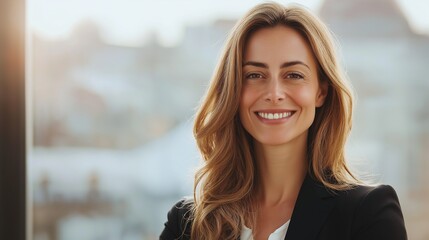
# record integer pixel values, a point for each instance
(273, 116)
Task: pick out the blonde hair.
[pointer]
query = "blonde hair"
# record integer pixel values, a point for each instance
(225, 184)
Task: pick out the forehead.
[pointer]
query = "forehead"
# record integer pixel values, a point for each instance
(278, 44)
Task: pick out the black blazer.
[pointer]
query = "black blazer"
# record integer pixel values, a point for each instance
(362, 213)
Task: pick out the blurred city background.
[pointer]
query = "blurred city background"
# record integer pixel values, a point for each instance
(112, 114)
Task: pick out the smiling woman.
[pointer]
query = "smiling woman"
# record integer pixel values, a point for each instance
(272, 130)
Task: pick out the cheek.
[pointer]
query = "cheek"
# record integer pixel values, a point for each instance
(305, 96)
(246, 99)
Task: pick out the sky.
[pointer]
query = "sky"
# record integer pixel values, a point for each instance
(129, 22)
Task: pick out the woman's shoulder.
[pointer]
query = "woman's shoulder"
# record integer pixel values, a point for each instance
(367, 196)
(373, 208)
(360, 194)
(183, 206)
(178, 220)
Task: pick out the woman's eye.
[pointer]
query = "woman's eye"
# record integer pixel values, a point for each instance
(295, 76)
(253, 76)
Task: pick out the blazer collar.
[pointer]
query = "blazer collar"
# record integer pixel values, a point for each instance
(313, 205)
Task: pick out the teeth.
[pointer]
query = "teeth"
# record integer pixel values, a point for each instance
(271, 116)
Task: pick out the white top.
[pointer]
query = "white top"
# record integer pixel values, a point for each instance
(278, 234)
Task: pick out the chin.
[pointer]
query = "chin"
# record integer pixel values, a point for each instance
(273, 141)
(280, 139)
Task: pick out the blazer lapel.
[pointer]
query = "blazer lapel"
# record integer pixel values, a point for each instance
(313, 205)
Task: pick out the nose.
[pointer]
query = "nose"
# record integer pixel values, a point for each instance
(275, 92)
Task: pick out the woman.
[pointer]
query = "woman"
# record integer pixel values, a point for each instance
(272, 130)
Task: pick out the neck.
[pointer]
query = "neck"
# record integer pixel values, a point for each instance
(281, 171)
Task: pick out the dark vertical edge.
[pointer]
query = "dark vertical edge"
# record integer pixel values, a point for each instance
(12, 121)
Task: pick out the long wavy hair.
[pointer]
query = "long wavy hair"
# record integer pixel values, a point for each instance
(225, 185)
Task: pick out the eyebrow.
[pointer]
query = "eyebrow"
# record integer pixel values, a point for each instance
(284, 65)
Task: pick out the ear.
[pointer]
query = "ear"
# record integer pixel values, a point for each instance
(322, 92)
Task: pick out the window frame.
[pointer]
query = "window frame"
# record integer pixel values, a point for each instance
(13, 147)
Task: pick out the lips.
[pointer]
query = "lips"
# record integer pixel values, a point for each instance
(275, 115)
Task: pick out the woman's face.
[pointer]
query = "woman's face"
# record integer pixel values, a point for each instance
(280, 86)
